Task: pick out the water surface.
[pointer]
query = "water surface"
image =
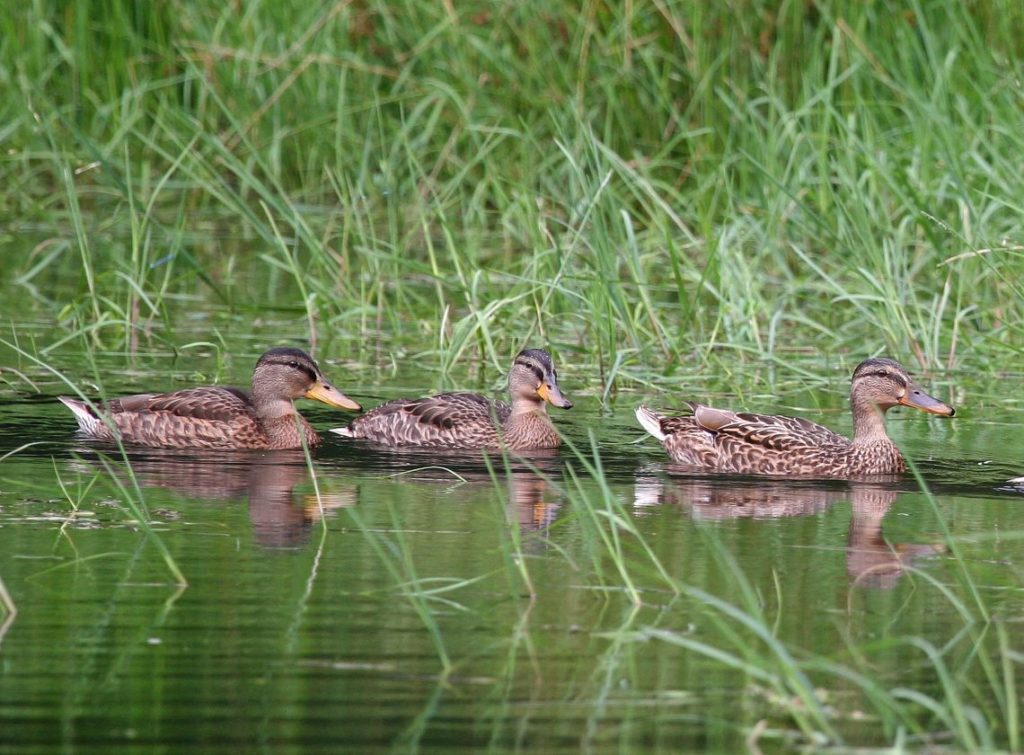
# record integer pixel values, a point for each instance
(375, 600)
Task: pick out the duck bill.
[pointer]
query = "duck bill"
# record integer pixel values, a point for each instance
(553, 395)
(331, 396)
(918, 399)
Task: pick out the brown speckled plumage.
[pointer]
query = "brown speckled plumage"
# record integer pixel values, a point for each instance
(218, 417)
(469, 420)
(725, 441)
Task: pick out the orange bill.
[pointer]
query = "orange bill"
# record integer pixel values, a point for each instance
(553, 395)
(331, 396)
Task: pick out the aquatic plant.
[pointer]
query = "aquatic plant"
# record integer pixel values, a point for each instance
(858, 194)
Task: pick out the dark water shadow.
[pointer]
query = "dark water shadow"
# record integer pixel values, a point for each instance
(963, 477)
(871, 559)
(367, 457)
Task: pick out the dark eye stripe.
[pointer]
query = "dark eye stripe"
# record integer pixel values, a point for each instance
(898, 379)
(532, 367)
(303, 368)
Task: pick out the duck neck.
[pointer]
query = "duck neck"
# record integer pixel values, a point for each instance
(524, 406)
(270, 406)
(283, 426)
(868, 422)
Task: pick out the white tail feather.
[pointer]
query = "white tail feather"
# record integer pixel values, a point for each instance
(651, 422)
(343, 432)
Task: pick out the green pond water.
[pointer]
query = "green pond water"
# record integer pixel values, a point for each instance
(322, 606)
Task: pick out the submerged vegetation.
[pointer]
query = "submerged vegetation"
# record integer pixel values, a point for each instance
(646, 188)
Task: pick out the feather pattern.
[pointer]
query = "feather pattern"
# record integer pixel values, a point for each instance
(469, 420)
(219, 417)
(448, 420)
(747, 443)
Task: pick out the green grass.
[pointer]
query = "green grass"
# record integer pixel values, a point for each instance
(636, 185)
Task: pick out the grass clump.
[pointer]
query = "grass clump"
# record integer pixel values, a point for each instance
(636, 183)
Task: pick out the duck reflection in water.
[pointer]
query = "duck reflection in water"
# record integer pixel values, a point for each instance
(533, 498)
(531, 501)
(280, 517)
(528, 479)
(871, 560)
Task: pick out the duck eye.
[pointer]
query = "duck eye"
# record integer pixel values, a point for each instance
(882, 373)
(293, 364)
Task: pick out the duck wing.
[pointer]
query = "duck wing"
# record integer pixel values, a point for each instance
(454, 420)
(213, 404)
(771, 444)
(209, 417)
(770, 431)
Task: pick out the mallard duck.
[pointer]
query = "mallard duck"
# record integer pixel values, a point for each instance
(469, 420)
(725, 441)
(220, 417)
